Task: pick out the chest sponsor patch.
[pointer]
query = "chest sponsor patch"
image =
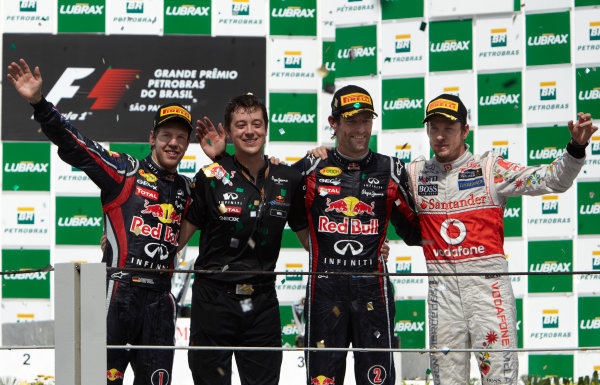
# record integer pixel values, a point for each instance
(428, 178)
(427, 189)
(467, 184)
(146, 193)
(278, 213)
(470, 174)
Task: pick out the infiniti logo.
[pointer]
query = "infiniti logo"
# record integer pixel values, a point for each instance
(341, 247)
(373, 181)
(152, 249)
(230, 196)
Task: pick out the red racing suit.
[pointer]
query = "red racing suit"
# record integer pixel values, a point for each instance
(461, 209)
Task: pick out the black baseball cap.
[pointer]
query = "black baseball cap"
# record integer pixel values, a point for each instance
(350, 100)
(449, 106)
(173, 111)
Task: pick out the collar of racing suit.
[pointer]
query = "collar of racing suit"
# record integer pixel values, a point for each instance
(352, 165)
(155, 169)
(457, 163)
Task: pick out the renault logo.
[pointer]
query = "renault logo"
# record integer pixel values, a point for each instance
(341, 247)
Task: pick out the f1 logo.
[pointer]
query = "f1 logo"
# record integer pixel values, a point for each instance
(64, 87)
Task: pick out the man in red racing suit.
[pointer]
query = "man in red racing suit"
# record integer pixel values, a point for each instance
(460, 199)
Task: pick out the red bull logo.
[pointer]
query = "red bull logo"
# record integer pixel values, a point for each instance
(113, 375)
(165, 212)
(348, 226)
(322, 380)
(350, 206)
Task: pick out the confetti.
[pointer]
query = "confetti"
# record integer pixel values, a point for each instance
(283, 192)
(13, 46)
(592, 194)
(351, 54)
(246, 305)
(281, 131)
(370, 306)
(16, 187)
(221, 371)
(251, 243)
(208, 141)
(336, 311)
(225, 268)
(283, 281)
(356, 105)
(423, 26)
(137, 231)
(377, 334)
(445, 350)
(322, 71)
(256, 203)
(239, 190)
(252, 214)
(234, 243)
(587, 70)
(117, 117)
(321, 344)
(323, 192)
(222, 208)
(329, 88)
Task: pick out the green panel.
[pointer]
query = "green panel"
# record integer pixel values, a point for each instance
(588, 212)
(588, 89)
(373, 143)
(583, 3)
(403, 103)
(290, 240)
(589, 321)
(289, 330)
(329, 62)
(517, 5)
(356, 51)
(550, 256)
(78, 221)
(79, 17)
(519, 306)
(26, 166)
(293, 17)
(409, 323)
(551, 365)
(293, 117)
(544, 144)
(513, 217)
(499, 98)
(137, 150)
(31, 285)
(548, 38)
(187, 17)
(401, 9)
(451, 45)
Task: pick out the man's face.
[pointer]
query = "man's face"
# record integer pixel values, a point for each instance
(169, 143)
(446, 138)
(247, 131)
(353, 134)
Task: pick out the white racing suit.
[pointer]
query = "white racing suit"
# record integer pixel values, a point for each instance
(461, 208)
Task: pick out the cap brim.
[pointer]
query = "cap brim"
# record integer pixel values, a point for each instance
(354, 112)
(454, 118)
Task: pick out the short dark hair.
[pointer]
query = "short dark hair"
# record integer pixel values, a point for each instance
(247, 102)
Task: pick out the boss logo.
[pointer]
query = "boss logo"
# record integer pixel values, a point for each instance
(427, 189)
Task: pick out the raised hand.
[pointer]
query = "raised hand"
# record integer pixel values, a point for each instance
(319, 152)
(583, 129)
(28, 84)
(213, 141)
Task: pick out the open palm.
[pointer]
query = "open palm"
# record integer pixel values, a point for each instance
(28, 84)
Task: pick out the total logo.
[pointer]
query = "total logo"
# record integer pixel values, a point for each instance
(593, 94)
(548, 39)
(450, 46)
(590, 209)
(165, 212)
(187, 10)
(402, 104)
(593, 324)
(403, 264)
(356, 52)
(81, 9)
(294, 12)
(550, 204)
(594, 30)
(499, 98)
(187, 164)
(135, 6)
(293, 267)
(79, 221)
(498, 37)
(293, 117)
(550, 267)
(322, 380)
(240, 8)
(500, 147)
(292, 59)
(550, 319)
(548, 91)
(545, 153)
(404, 153)
(407, 326)
(595, 144)
(402, 43)
(349, 206)
(596, 260)
(25, 215)
(344, 246)
(26, 166)
(330, 190)
(28, 5)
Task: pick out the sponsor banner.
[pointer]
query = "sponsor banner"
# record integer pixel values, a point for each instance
(403, 103)
(514, 250)
(588, 208)
(588, 259)
(500, 42)
(513, 217)
(551, 365)
(29, 285)
(292, 64)
(466, 7)
(239, 18)
(135, 17)
(549, 95)
(551, 214)
(26, 166)
(584, 3)
(451, 45)
(393, 9)
(519, 306)
(114, 85)
(403, 48)
(293, 117)
(356, 51)
(586, 33)
(26, 220)
(193, 160)
(499, 98)
(548, 38)
(551, 321)
(29, 16)
(293, 17)
(587, 82)
(328, 63)
(409, 324)
(355, 11)
(508, 142)
(289, 329)
(187, 17)
(548, 257)
(27, 310)
(591, 169)
(459, 84)
(80, 17)
(78, 221)
(539, 5)
(291, 288)
(407, 145)
(406, 259)
(545, 144)
(78, 254)
(589, 321)
(69, 180)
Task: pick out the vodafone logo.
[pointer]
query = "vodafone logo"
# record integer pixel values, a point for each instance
(453, 231)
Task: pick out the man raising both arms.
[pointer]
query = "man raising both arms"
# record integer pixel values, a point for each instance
(460, 200)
